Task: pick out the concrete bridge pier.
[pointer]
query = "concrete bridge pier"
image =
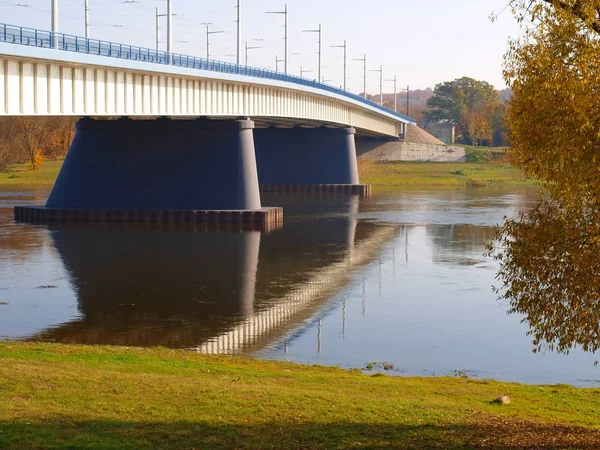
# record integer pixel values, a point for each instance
(307, 159)
(158, 170)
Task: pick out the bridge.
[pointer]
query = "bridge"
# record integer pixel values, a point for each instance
(192, 134)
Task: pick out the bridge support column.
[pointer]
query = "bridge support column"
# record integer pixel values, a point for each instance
(307, 159)
(164, 170)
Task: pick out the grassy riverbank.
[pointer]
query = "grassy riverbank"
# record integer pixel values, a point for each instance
(484, 167)
(20, 176)
(482, 171)
(62, 396)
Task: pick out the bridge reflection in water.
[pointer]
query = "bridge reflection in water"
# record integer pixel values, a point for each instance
(211, 291)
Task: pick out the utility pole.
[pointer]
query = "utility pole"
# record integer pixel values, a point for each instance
(87, 19)
(320, 31)
(277, 61)
(407, 99)
(249, 48)
(158, 15)
(345, 48)
(380, 70)
(395, 94)
(285, 38)
(239, 32)
(364, 60)
(302, 71)
(54, 24)
(169, 31)
(208, 33)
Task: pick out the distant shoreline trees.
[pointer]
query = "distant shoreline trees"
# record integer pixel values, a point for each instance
(33, 139)
(473, 107)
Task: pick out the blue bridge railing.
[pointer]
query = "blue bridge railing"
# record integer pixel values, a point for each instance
(46, 39)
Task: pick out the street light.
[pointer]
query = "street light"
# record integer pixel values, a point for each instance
(208, 33)
(320, 31)
(364, 60)
(249, 48)
(380, 70)
(345, 48)
(285, 15)
(395, 94)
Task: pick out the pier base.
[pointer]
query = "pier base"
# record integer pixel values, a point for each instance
(159, 171)
(304, 156)
(363, 190)
(264, 218)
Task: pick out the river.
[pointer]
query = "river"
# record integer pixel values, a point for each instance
(397, 282)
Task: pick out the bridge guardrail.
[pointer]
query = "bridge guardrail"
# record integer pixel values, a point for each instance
(46, 39)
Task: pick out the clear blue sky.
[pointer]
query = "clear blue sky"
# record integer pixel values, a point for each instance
(422, 42)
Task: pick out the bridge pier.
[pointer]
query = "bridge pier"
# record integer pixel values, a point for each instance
(307, 160)
(158, 170)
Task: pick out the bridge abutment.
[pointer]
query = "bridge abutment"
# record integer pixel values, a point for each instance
(158, 170)
(307, 160)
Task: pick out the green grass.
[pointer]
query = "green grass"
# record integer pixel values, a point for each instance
(442, 174)
(484, 171)
(21, 176)
(77, 397)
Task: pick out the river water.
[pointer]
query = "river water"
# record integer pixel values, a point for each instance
(397, 280)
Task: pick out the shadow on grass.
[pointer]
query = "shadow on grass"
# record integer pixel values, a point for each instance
(503, 434)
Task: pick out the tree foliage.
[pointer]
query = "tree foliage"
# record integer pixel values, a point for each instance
(467, 103)
(31, 139)
(550, 269)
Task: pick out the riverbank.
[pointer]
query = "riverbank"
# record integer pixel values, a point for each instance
(65, 396)
(480, 172)
(20, 176)
(432, 174)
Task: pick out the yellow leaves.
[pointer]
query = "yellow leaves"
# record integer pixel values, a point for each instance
(550, 266)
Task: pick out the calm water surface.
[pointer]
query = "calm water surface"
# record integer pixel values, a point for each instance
(398, 279)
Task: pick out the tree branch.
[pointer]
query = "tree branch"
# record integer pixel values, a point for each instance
(577, 10)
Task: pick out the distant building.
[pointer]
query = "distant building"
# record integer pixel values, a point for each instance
(444, 131)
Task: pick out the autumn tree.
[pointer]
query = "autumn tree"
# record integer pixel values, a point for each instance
(464, 102)
(7, 144)
(550, 269)
(36, 135)
(478, 124)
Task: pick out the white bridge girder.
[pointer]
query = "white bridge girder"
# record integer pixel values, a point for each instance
(31, 86)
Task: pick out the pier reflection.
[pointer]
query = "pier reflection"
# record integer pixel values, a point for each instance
(215, 291)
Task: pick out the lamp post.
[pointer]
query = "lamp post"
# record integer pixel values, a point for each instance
(169, 31)
(380, 70)
(208, 34)
(249, 48)
(345, 60)
(364, 60)
(285, 38)
(239, 31)
(395, 94)
(320, 31)
(54, 24)
(87, 18)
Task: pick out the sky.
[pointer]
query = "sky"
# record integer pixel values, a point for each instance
(422, 43)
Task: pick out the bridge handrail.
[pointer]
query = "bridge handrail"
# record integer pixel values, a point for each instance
(14, 34)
